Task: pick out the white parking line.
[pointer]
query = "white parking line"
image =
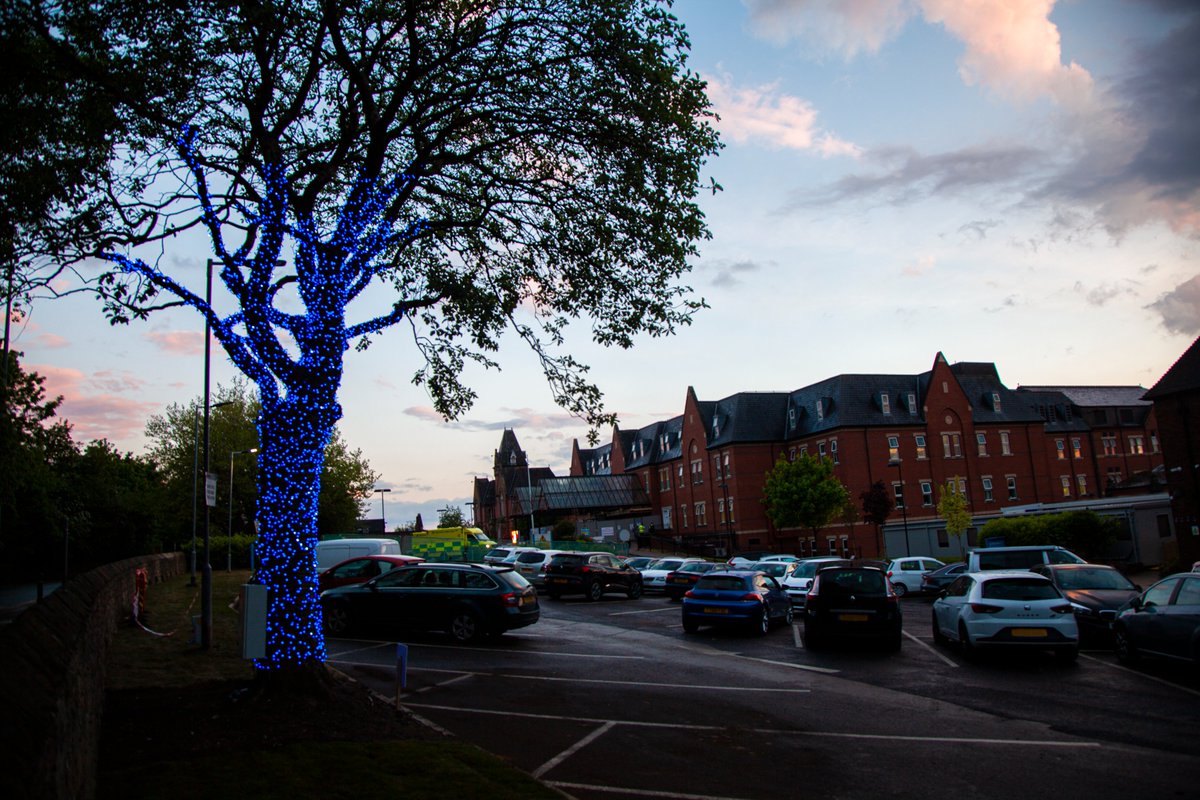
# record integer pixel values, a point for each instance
(657, 685)
(942, 656)
(622, 790)
(1140, 674)
(645, 611)
(573, 749)
(796, 637)
(789, 664)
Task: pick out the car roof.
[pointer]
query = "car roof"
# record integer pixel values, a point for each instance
(1002, 574)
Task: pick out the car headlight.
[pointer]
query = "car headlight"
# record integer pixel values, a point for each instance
(1080, 610)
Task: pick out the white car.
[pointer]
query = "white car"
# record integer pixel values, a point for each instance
(504, 553)
(905, 573)
(531, 564)
(654, 577)
(777, 569)
(744, 560)
(780, 557)
(1006, 609)
(800, 581)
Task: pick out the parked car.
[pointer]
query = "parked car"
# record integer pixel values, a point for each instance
(736, 597)
(1096, 591)
(744, 560)
(361, 570)
(655, 575)
(468, 601)
(779, 557)
(679, 581)
(906, 573)
(335, 551)
(1005, 609)
(532, 565)
(499, 554)
(798, 583)
(639, 562)
(1018, 558)
(852, 602)
(591, 574)
(779, 570)
(1162, 621)
(934, 582)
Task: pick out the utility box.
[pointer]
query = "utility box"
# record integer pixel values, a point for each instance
(253, 607)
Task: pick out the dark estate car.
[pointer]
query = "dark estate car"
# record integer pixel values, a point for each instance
(362, 569)
(684, 578)
(1163, 621)
(591, 575)
(736, 597)
(1096, 592)
(468, 601)
(852, 602)
(934, 581)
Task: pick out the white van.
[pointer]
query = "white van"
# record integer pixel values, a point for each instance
(335, 551)
(1018, 558)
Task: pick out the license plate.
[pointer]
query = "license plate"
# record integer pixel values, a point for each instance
(852, 617)
(558, 580)
(1030, 633)
(711, 610)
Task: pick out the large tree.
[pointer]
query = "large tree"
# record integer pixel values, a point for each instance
(496, 164)
(803, 493)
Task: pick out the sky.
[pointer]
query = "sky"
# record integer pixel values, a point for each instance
(1007, 181)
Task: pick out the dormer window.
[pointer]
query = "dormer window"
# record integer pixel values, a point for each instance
(885, 404)
(820, 410)
(912, 402)
(791, 417)
(995, 401)
(716, 427)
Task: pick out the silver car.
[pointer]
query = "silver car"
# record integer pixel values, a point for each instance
(800, 581)
(531, 564)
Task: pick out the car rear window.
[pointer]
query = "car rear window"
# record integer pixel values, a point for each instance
(1019, 589)
(722, 582)
(853, 581)
(1010, 559)
(531, 558)
(513, 579)
(570, 559)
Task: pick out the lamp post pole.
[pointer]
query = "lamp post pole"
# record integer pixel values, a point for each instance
(728, 518)
(206, 567)
(529, 486)
(382, 512)
(229, 526)
(903, 505)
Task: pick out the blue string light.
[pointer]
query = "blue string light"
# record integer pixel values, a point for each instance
(295, 425)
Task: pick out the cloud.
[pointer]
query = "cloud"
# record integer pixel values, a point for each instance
(1180, 308)
(1012, 48)
(919, 267)
(181, 343)
(845, 27)
(1099, 295)
(979, 228)
(729, 274)
(763, 115)
(522, 418)
(94, 405)
(51, 341)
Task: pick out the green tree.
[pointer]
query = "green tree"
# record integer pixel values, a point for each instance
(451, 517)
(952, 508)
(473, 158)
(877, 507)
(803, 493)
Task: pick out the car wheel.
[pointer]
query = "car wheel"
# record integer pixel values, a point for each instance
(634, 591)
(690, 625)
(938, 636)
(900, 589)
(764, 621)
(466, 626)
(964, 641)
(789, 616)
(337, 618)
(594, 590)
(1067, 655)
(1127, 653)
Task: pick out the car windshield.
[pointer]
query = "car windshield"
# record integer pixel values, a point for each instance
(776, 569)
(1019, 589)
(697, 566)
(726, 583)
(808, 568)
(666, 563)
(1093, 579)
(853, 581)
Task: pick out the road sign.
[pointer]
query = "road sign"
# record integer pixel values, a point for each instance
(210, 489)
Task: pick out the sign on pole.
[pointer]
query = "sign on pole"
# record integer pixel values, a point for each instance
(210, 489)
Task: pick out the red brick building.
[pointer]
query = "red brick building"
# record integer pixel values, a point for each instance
(704, 470)
(1176, 399)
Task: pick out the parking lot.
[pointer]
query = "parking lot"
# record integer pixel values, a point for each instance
(613, 699)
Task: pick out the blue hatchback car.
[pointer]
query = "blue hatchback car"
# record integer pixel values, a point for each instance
(744, 598)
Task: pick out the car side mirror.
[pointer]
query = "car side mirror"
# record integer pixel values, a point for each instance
(1136, 603)
(1137, 586)
(943, 593)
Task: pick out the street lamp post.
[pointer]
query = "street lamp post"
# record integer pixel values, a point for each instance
(903, 505)
(728, 518)
(529, 486)
(229, 528)
(382, 512)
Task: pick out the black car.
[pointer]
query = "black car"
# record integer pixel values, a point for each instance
(468, 601)
(853, 602)
(1096, 591)
(1163, 621)
(934, 581)
(591, 575)
(679, 581)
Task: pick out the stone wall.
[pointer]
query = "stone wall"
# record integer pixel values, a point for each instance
(52, 677)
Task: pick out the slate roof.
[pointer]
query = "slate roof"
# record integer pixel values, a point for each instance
(590, 492)
(1183, 376)
(1097, 396)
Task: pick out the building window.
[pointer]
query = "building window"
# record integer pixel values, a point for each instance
(1005, 448)
(1137, 445)
(803, 449)
(716, 467)
(845, 547)
(893, 448)
(1012, 488)
(821, 449)
(701, 515)
(987, 491)
(1113, 474)
(721, 510)
(820, 410)
(922, 453)
(996, 402)
(926, 493)
(666, 518)
(683, 516)
(1061, 448)
(732, 517)
(1154, 443)
(831, 542)
(1066, 485)
(791, 417)
(680, 473)
(1109, 442)
(716, 427)
(833, 451)
(951, 445)
(725, 462)
(884, 403)
(1076, 448)
(981, 440)
(912, 402)
(697, 472)
(792, 454)
(664, 479)
(962, 488)
(1081, 482)
(898, 490)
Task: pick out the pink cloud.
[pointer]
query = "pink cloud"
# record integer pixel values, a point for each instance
(843, 26)
(184, 343)
(94, 406)
(778, 120)
(52, 341)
